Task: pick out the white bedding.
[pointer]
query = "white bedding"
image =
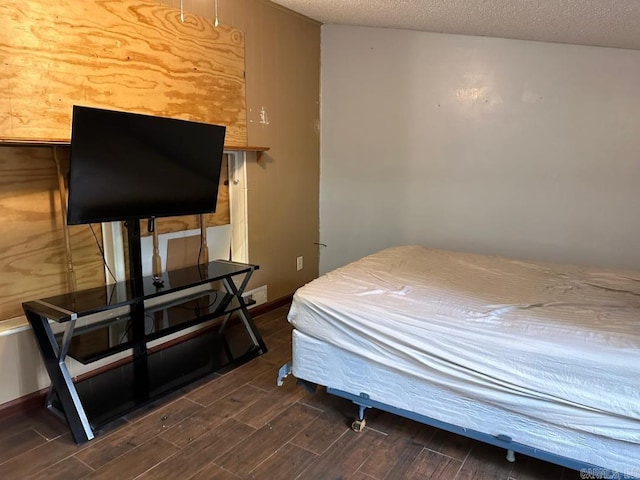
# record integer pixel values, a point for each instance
(554, 344)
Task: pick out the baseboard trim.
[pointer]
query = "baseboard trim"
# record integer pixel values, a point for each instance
(269, 306)
(23, 404)
(36, 399)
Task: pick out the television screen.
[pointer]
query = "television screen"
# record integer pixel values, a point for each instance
(127, 166)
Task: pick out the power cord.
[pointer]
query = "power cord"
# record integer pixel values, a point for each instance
(101, 249)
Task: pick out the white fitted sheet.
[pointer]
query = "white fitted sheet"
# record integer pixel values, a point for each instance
(558, 345)
(328, 365)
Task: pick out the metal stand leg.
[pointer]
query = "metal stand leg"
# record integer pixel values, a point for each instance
(245, 317)
(62, 387)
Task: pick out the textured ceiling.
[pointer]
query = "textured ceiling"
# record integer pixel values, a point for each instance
(607, 23)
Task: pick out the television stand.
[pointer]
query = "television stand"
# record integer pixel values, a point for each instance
(99, 323)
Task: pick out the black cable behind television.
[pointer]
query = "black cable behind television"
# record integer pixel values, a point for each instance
(127, 166)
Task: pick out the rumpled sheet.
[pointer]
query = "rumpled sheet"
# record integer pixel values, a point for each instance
(557, 343)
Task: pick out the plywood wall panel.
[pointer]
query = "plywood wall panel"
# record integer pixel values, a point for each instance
(33, 262)
(126, 55)
(32, 254)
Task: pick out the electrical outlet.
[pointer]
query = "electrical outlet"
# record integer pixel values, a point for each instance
(299, 263)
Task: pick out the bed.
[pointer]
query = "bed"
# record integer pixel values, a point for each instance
(543, 359)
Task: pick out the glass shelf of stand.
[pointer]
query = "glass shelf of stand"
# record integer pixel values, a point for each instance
(93, 301)
(104, 338)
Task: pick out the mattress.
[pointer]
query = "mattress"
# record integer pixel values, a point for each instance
(547, 345)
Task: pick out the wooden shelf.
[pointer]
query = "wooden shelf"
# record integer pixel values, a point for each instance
(236, 148)
(60, 142)
(33, 142)
(259, 150)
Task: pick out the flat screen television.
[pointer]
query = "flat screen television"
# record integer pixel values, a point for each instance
(126, 166)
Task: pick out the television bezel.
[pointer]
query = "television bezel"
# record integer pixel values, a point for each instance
(75, 214)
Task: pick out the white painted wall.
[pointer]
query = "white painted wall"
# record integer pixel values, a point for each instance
(23, 371)
(517, 148)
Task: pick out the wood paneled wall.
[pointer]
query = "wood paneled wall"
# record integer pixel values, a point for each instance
(132, 55)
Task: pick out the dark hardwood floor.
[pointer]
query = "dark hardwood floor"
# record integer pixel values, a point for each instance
(241, 426)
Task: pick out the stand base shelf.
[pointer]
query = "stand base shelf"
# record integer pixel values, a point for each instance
(99, 341)
(111, 395)
(130, 314)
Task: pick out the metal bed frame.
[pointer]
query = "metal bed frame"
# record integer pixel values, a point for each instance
(363, 402)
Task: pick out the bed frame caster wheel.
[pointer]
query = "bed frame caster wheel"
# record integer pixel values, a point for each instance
(511, 456)
(358, 425)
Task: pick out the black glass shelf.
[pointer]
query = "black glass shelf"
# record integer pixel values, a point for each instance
(100, 340)
(166, 371)
(62, 308)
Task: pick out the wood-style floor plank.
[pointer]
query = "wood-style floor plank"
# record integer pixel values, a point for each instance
(278, 354)
(136, 461)
(209, 418)
(40, 420)
(68, 469)
(105, 449)
(221, 387)
(214, 472)
(346, 455)
(48, 425)
(286, 464)
(398, 450)
(238, 425)
(266, 382)
(267, 440)
(433, 466)
(201, 452)
(361, 476)
(9, 426)
(269, 406)
(34, 460)
(451, 445)
(19, 442)
(322, 432)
